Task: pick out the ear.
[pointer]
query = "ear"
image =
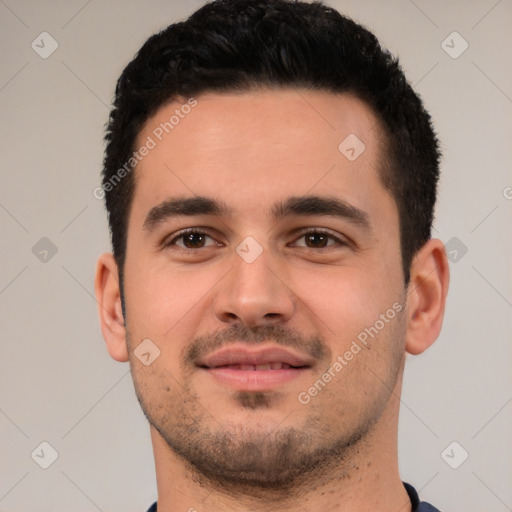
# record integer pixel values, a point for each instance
(427, 290)
(108, 297)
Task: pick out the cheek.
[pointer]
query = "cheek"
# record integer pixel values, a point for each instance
(344, 300)
(157, 389)
(158, 297)
(169, 307)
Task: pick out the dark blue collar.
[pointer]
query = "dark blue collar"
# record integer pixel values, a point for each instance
(417, 505)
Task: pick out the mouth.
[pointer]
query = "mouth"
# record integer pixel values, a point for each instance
(258, 367)
(255, 369)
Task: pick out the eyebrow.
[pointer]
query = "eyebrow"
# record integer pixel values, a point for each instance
(319, 206)
(187, 206)
(310, 205)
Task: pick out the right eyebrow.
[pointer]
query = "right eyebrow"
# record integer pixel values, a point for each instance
(183, 206)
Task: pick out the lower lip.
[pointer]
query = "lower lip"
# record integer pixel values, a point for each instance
(255, 380)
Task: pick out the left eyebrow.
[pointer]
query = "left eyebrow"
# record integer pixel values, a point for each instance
(321, 205)
(311, 205)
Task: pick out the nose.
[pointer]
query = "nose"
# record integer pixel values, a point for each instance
(254, 293)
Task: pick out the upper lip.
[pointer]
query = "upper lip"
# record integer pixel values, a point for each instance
(253, 355)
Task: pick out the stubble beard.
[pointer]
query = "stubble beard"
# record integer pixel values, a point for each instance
(254, 458)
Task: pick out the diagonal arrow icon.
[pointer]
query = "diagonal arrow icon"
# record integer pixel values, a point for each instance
(454, 455)
(351, 147)
(249, 249)
(454, 45)
(147, 352)
(44, 250)
(455, 249)
(44, 45)
(44, 455)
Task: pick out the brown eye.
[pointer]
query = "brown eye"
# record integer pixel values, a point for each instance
(192, 239)
(316, 240)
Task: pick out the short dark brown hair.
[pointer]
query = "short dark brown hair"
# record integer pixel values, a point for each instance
(236, 45)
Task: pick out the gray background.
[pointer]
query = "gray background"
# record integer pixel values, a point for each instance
(57, 382)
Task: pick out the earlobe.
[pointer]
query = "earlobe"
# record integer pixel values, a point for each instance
(108, 297)
(427, 292)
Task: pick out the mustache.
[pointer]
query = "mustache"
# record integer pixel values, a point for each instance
(203, 345)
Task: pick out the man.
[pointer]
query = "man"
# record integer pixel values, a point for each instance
(270, 179)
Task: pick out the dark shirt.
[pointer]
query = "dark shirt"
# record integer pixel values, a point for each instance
(417, 505)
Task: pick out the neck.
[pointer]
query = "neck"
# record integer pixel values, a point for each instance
(367, 478)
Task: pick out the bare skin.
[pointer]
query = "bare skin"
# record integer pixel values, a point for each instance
(222, 445)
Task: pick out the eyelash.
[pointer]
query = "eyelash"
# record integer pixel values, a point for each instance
(204, 232)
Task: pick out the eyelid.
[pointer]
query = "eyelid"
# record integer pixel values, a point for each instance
(340, 240)
(299, 233)
(170, 240)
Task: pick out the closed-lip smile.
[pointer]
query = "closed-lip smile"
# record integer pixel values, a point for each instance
(253, 368)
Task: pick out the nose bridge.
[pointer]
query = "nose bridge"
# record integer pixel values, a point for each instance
(254, 293)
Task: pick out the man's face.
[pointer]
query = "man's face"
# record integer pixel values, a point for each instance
(264, 281)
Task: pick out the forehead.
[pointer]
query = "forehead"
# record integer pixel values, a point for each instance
(260, 143)
(259, 116)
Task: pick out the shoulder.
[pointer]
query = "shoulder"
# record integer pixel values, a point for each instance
(417, 505)
(426, 507)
